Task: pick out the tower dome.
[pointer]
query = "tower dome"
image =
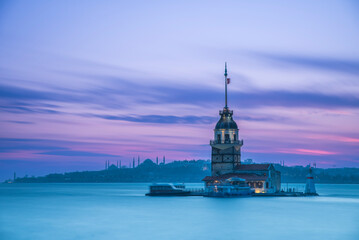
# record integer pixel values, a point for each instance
(226, 121)
(226, 130)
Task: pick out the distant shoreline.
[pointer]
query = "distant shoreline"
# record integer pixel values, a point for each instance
(185, 171)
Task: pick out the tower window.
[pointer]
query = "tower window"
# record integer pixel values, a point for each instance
(219, 137)
(226, 138)
(235, 137)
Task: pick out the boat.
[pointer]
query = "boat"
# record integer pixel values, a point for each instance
(232, 187)
(168, 189)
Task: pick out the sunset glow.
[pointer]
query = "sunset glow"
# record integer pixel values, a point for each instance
(93, 82)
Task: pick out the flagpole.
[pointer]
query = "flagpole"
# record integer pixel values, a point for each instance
(225, 81)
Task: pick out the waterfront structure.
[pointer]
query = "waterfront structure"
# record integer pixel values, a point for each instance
(226, 156)
(261, 178)
(231, 187)
(309, 186)
(168, 189)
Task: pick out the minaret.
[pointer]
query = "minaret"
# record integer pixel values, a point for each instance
(226, 146)
(138, 161)
(310, 186)
(133, 163)
(164, 160)
(157, 160)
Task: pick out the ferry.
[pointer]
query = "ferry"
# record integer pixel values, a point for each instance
(168, 189)
(232, 187)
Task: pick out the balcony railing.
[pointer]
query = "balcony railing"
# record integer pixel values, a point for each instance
(240, 142)
(225, 112)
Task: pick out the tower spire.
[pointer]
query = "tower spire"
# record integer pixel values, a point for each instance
(225, 81)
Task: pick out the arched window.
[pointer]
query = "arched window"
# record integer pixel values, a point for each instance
(226, 138)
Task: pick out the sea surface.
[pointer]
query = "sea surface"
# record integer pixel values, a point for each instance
(122, 211)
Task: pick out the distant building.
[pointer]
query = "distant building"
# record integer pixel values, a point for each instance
(248, 161)
(226, 157)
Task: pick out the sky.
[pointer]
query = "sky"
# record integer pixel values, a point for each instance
(82, 82)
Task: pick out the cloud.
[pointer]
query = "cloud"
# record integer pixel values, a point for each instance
(2, 140)
(314, 152)
(70, 153)
(21, 122)
(14, 144)
(31, 110)
(259, 98)
(170, 119)
(161, 119)
(48, 147)
(259, 119)
(297, 99)
(21, 93)
(117, 92)
(339, 65)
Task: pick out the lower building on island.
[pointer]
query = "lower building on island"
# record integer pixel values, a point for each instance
(262, 178)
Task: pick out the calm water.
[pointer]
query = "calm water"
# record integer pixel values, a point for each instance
(121, 211)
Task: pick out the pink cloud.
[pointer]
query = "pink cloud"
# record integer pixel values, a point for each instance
(301, 151)
(334, 138)
(348, 139)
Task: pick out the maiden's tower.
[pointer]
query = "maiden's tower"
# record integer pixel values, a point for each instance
(226, 146)
(226, 157)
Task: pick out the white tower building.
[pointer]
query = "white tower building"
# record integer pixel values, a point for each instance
(310, 186)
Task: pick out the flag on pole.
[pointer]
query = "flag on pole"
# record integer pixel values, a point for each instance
(228, 80)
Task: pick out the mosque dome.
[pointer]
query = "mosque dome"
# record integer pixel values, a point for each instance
(226, 121)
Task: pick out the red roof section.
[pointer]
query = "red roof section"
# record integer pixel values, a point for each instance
(246, 176)
(253, 167)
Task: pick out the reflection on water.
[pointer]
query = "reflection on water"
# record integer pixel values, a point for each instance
(121, 211)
